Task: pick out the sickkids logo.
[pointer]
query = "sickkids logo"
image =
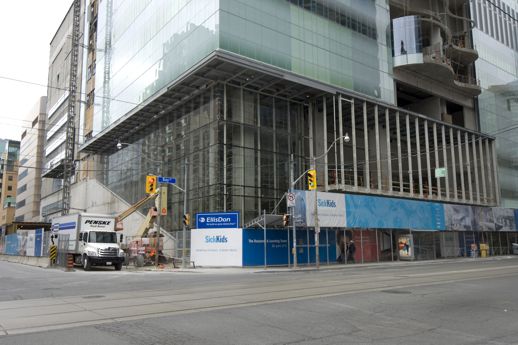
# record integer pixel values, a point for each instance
(326, 203)
(216, 239)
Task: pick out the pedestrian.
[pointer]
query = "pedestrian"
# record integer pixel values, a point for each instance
(341, 245)
(351, 250)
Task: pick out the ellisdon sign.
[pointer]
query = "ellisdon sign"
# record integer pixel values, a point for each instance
(217, 220)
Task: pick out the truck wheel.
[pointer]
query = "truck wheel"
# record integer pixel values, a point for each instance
(140, 261)
(86, 263)
(118, 266)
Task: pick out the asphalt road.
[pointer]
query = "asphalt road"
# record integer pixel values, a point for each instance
(442, 302)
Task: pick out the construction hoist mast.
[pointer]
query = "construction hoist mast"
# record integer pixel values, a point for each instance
(107, 65)
(68, 164)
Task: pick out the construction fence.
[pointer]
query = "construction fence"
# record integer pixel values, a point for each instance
(26, 243)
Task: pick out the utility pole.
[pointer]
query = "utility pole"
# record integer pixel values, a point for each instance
(317, 226)
(314, 159)
(292, 215)
(159, 212)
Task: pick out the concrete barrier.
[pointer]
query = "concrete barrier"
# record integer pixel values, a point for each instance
(39, 261)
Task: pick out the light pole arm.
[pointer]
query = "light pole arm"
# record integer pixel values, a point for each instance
(314, 159)
(345, 138)
(180, 188)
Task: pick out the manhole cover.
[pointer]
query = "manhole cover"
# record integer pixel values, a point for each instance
(402, 292)
(94, 296)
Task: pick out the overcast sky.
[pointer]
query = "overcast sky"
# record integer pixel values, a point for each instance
(26, 28)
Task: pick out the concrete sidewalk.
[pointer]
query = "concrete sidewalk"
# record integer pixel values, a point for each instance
(44, 263)
(241, 270)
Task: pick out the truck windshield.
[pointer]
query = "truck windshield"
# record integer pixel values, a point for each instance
(102, 237)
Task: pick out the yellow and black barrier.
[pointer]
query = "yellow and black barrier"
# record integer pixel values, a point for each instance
(53, 254)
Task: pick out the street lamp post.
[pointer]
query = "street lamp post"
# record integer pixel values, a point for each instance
(314, 159)
(317, 225)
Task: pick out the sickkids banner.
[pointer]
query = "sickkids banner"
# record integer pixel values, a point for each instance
(363, 211)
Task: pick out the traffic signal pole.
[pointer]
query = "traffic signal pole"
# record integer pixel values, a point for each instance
(317, 227)
(184, 229)
(292, 216)
(159, 199)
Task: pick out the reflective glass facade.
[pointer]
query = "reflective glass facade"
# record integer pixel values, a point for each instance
(343, 43)
(497, 70)
(145, 45)
(152, 43)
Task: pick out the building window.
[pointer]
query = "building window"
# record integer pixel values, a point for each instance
(20, 204)
(9, 188)
(10, 177)
(23, 174)
(21, 189)
(90, 99)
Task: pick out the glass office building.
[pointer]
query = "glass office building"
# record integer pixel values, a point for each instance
(245, 117)
(242, 92)
(496, 39)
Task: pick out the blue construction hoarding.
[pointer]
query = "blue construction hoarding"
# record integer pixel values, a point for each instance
(279, 246)
(377, 212)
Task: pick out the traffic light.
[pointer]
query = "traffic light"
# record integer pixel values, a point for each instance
(312, 179)
(286, 220)
(150, 184)
(186, 219)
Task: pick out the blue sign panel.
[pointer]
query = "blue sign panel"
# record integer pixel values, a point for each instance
(391, 213)
(217, 220)
(277, 242)
(276, 247)
(163, 179)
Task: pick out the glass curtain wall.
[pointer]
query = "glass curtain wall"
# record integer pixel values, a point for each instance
(343, 43)
(497, 70)
(156, 40)
(237, 144)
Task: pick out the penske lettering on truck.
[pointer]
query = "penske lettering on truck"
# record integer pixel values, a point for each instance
(98, 223)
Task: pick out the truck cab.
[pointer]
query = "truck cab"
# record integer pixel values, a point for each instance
(100, 247)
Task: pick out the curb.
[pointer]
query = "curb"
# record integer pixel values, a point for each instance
(38, 261)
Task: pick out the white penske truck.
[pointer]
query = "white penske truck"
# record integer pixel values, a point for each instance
(92, 239)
